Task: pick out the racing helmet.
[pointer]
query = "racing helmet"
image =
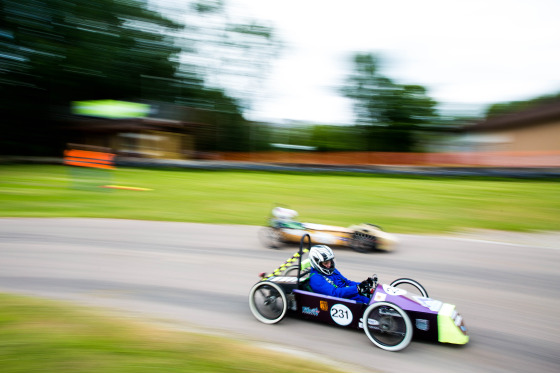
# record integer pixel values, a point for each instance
(319, 254)
(284, 213)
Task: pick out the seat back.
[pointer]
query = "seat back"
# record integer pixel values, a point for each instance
(304, 276)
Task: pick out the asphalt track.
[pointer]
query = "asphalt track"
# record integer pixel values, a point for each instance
(197, 277)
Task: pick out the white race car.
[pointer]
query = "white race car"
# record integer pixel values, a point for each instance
(283, 228)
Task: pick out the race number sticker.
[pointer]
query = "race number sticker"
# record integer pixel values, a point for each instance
(393, 291)
(341, 314)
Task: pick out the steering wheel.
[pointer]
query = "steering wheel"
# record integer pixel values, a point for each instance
(372, 282)
(367, 287)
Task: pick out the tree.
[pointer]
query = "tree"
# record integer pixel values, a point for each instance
(66, 50)
(233, 53)
(59, 51)
(388, 113)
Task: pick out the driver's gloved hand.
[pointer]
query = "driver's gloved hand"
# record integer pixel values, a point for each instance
(364, 288)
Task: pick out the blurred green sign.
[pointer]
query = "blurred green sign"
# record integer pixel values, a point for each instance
(110, 109)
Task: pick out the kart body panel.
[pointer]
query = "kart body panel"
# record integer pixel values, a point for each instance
(432, 320)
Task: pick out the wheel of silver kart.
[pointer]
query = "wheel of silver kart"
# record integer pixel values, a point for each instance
(270, 237)
(268, 302)
(363, 242)
(387, 326)
(410, 285)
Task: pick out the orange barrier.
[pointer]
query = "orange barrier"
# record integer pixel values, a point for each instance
(91, 159)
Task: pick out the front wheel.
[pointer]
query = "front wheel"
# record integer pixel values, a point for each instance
(387, 326)
(268, 302)
(407, 283)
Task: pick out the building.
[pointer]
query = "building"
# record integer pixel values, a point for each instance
(536, 128)
(129, 129)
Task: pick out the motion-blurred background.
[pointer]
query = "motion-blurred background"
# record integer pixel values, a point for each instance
(181, 79)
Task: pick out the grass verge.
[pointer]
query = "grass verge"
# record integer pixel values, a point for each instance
(405, 205)
(39, 336)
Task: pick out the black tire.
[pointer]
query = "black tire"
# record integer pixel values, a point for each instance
(270, 237)
(268, 302)
(407, 281)
(387, 326)
(363, 242)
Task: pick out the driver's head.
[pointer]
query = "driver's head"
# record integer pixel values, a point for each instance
(322, 259)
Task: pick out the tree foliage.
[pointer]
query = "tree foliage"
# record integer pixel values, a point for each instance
(59, 51)
(233, 53)
(389, 113)
(65, 50)
(80, 49)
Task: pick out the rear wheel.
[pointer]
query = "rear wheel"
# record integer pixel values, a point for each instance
(363, 242)
(268, 302)
(387, 326)
(271, 237)
(291, 271)
(410, 285)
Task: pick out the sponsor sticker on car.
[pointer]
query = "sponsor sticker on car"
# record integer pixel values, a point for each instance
(379, 296)
(422, 324)
(310, 311)
(393, 291)
(433, 305)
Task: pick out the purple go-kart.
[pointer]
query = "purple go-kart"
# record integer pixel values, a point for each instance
(396, 313)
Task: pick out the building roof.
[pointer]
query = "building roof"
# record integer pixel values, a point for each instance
(534, 115)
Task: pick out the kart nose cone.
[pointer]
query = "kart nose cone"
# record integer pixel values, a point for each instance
(451, 328)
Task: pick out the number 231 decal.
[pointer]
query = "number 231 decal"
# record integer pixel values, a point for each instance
(341, 314)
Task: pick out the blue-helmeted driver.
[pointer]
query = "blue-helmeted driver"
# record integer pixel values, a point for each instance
(324, 278)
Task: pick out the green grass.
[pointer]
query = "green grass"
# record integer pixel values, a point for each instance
(405, 205)
(39, 336)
